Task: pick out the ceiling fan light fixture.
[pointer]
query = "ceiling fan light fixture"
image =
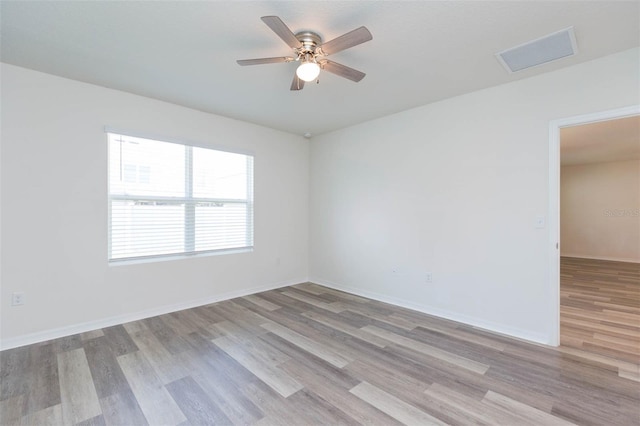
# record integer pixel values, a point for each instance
(308, 71)
(310, 52)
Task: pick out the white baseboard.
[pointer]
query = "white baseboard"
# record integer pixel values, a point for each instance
(55, 333)
(430, 310)
(612, 259)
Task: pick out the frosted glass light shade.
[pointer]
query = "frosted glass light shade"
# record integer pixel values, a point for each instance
(308, 71)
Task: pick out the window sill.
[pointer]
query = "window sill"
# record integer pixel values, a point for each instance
(171, 257)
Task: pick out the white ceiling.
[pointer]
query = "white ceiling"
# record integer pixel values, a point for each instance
(184, 52)
(600, 142)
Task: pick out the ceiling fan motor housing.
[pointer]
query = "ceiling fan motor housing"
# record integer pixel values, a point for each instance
(310, 41)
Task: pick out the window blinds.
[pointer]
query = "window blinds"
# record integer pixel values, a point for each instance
(172, 199)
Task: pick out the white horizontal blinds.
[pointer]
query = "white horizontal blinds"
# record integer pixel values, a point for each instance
(221, 182)
(168, 198)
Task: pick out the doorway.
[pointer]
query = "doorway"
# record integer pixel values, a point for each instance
(572, 258)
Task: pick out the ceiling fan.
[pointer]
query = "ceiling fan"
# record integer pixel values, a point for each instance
(310, 51)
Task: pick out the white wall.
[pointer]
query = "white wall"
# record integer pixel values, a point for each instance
(455, 188)
(599, 211)
(54, 209)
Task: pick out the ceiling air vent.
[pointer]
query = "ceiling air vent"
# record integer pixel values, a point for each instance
(549, 48)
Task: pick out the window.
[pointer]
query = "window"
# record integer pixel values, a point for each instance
(172, 199)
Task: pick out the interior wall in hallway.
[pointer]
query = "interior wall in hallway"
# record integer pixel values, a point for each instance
(600, 210)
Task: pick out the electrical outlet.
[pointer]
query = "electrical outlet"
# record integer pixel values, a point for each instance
(428, 278)
(17, 299)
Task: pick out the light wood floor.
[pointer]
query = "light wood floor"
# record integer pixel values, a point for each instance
(600, 307)
(307, 355)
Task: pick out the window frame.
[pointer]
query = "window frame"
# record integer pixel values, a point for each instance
(188, 200)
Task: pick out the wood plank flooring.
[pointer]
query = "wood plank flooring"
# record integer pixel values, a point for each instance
(600, 307)
(309, 355)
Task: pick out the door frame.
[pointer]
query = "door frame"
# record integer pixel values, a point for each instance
(554, 198)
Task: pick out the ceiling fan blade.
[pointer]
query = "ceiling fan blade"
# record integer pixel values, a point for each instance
(342, 70)
(297, 83)
(345, 41)
(261, 61)
(280, 28)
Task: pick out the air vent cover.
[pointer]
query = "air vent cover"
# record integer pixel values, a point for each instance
(549, 48)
